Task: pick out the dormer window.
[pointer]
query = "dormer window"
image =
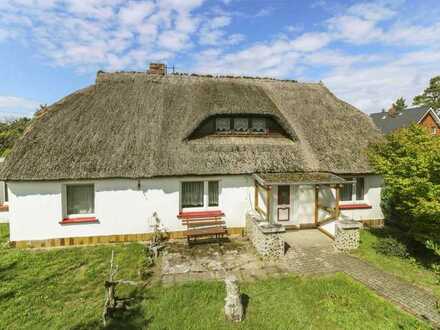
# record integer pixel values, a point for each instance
(222, 124)
(241, 124)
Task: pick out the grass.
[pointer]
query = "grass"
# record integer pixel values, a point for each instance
(63, 289)
(415, 269)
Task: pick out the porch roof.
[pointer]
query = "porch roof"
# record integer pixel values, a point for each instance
(267, 179)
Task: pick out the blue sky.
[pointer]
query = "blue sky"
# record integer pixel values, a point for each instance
(367, 52)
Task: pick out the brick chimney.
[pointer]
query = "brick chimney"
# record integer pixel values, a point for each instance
(157, 68)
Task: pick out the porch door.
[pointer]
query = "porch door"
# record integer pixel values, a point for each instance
(283, 207)
(305, 201)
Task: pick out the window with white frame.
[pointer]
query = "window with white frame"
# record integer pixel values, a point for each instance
(212, 193)
(80, 199)
(193, 194)
(353, 191)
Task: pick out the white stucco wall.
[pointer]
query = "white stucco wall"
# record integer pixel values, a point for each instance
(372, 189)
(120, 206)
(36, 208)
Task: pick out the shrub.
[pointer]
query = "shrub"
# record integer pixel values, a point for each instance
(391, 247)
(409, 161)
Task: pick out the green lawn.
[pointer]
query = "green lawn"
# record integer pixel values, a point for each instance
(63, 289)
(415, 269)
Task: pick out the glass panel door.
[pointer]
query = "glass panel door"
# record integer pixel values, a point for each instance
(283, 209)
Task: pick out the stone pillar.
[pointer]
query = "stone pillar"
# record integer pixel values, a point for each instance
(265, 237)
(233, 303)
(347, 235)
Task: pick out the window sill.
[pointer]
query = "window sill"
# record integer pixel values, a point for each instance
(200, 214)
(66, 221)
(354, 206)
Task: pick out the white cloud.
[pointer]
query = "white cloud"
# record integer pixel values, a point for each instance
(374, 88)
(371, 11)
(309, 42)
(12, 107)
(264, 12)
(102, 34)
(135, 12)
(173, 40)
(370, 80)
(212, 32)
(17, 102)
(353, 29)
(368, 53)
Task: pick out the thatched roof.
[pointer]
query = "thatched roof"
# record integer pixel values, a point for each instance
(135, 125)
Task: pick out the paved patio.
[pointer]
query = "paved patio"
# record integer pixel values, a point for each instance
(311, 238)
(309, 253)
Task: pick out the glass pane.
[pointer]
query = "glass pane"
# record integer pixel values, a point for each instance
(259, 125)
(283, 195)
(80, 199)
(6, 193)
(241, 124)
(213, 193)
(360, 189)
(347, 192)
(222, 124)
(192, 194)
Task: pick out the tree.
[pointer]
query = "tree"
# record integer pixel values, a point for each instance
(431, 96)
(10, 132)
(400, 104)
(409, 161)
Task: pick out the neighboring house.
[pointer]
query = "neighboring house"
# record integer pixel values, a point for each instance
(392, 120)
(96, 166)
(4, 208)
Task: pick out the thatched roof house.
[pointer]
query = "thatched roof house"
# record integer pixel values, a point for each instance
(95, 166)
(138, 125)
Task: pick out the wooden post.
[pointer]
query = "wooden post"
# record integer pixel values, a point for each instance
(268, 201)
(316, 204)
(338, 199)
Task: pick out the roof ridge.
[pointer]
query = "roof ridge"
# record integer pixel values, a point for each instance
(105, 76)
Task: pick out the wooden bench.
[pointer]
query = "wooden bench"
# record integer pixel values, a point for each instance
(203, 224)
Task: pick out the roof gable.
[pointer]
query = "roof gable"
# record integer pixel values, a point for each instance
(405, 118)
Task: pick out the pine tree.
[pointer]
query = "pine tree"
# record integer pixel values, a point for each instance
(431, 96)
